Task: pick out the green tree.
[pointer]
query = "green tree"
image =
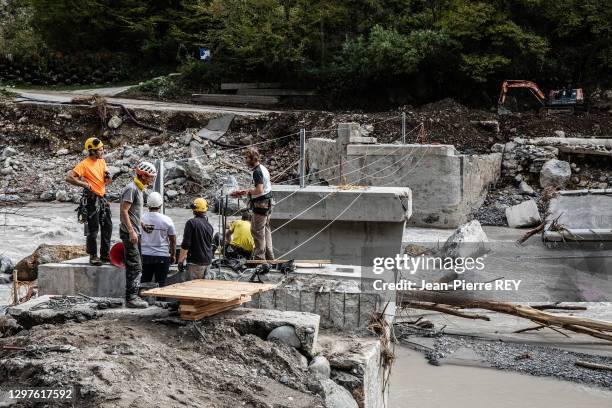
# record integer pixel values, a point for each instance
(489, 43)
(258, 36)
(17, 36)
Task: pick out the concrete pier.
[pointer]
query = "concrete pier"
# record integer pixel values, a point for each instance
(364, 218)
(78, 276)
(447, 186)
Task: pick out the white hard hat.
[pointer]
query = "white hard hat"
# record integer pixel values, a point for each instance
(146, 168)
(154, 200)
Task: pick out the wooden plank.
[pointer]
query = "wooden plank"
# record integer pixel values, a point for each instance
(207, 314)
(212, 310)
(208, 290)
(232, 286)
(184, 294)
(190, 306)
(235, 99)
(228, 285)
(198, 307)
(209, 311)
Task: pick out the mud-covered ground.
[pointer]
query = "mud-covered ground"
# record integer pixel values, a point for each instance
(128, 362)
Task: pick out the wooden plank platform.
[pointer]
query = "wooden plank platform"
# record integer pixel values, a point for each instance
(202, 298)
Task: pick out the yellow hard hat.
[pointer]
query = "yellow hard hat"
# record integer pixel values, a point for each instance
(93, 143)
(199, 205)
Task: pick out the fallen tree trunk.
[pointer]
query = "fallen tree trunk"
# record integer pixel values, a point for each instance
(445, 309)
(595, 328)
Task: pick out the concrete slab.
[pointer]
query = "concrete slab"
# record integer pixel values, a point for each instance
(60, 309)
(586, 215)
(361, 358)
(385, 204)
(77, 276)
(216, 127)
(344, 221)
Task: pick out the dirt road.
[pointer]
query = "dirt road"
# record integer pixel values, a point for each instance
(61, 97)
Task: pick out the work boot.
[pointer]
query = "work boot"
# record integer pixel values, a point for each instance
(105, 259)
(95, 261)
(136, 302)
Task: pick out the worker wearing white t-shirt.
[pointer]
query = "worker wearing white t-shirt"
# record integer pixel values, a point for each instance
(158, 242)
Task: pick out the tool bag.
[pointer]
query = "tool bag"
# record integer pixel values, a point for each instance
(83, 213)
(262, 205)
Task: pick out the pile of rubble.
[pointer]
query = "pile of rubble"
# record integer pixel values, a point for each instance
(531, 166)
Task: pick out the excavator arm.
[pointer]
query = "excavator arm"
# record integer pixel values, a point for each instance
(515, 83)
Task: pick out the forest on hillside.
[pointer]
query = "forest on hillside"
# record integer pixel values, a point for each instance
(457, 48)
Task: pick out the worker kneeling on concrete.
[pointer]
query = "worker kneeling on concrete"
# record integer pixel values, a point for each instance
(241, 242)
(94, 211)
(260, 197)
(158, 242)
(196, 247)
(131, 230)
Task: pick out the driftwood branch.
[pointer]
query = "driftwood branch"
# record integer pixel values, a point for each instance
(594, 366)
(445, 309)
(526, 329)
(530, 233)
(595, 328)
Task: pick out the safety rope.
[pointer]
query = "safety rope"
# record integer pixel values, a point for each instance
(283, 256)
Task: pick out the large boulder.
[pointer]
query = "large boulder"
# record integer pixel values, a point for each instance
(27, 268)
(525, 214)
(173, 170)
(319, 367)
(198, 172)
(555, 173)
(336, 396)
(468, 240)
(285, 334)
(114, 122)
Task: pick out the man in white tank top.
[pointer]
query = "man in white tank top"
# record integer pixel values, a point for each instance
(261, 204)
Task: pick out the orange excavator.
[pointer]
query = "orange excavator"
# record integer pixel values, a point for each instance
(562, 100)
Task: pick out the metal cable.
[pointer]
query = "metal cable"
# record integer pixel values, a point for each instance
(355, 158)
(322, 229)
(350, 172)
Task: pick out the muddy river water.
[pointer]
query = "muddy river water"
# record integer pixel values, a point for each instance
(414, 382)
